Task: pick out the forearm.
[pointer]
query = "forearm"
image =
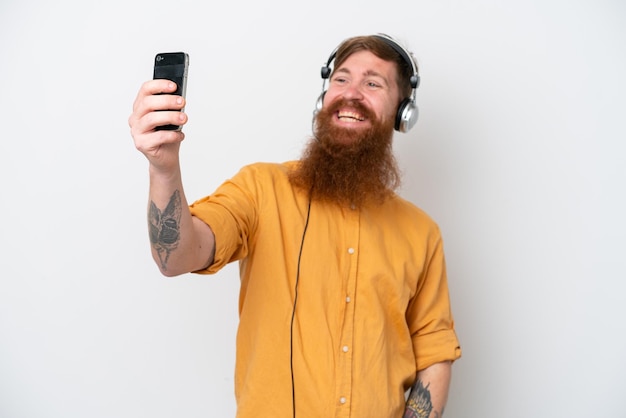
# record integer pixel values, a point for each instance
(429, 394)
(180, 243)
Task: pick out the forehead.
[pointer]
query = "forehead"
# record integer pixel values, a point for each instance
(367, 63)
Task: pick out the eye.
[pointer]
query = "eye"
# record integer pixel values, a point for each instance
(375, 84)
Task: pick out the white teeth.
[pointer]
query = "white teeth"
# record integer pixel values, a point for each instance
(350, 115)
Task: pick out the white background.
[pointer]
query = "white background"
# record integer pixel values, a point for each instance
(519, 155)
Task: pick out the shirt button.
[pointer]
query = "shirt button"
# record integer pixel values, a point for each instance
(345, 348)
(342, 400)
(348, 299)
(350, 250)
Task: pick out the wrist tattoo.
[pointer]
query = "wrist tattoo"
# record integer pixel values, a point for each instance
(419, 404)
(165, 227)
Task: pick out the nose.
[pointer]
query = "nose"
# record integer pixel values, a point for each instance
(353, 92)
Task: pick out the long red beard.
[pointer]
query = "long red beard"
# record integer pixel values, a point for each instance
(348, 166)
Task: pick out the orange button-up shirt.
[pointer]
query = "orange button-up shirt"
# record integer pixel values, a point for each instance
(372, 297)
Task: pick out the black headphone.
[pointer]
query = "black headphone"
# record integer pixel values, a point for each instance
(407, 114)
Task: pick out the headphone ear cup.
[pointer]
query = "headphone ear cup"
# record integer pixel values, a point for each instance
(325, 72)
(406, 116)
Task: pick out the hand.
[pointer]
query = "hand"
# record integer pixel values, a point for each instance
(150, 110)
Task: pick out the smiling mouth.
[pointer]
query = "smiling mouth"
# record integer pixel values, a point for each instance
(351, 117)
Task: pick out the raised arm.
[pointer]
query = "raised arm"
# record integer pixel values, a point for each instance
(180, 243)
(429, 394)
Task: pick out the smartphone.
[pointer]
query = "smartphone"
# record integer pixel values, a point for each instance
(172, 66)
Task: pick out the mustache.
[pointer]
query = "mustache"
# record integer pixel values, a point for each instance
(340, 102)
(322, 120)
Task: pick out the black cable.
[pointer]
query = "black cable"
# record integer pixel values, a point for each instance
(293, 313)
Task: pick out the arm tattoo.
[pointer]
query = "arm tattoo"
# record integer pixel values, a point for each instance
(165, 227)
(419, 404)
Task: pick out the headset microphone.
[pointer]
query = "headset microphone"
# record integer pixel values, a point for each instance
(407, 113)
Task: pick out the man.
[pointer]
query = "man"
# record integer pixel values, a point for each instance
(344, 302)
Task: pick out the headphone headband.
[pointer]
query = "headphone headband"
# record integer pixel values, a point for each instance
(406, 55)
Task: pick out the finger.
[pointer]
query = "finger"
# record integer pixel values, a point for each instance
(149, 122)
(153, 120)
(164, 105)
(158, 86)
(159, 103)
(152, 88)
